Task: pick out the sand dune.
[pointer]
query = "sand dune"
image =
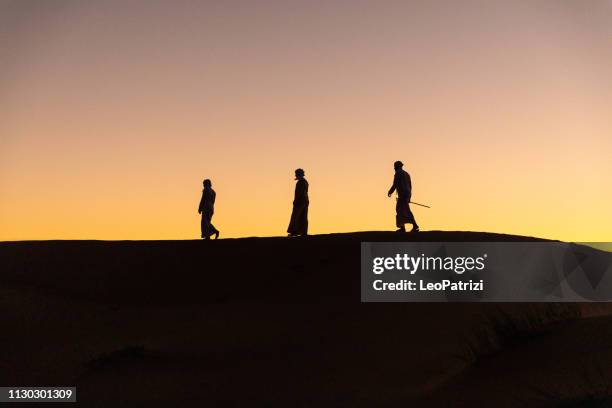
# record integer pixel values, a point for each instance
(276, 322)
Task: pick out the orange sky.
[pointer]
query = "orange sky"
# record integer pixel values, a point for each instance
(112, 113)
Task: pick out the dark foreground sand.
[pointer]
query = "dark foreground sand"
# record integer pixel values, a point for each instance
(278, 322)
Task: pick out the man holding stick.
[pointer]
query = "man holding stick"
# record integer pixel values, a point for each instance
(403, 186)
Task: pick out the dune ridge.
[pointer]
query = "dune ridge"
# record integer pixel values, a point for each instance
(276, 322)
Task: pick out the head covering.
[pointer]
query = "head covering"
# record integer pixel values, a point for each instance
(299, 173)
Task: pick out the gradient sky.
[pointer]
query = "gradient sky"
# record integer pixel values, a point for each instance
(112, 113)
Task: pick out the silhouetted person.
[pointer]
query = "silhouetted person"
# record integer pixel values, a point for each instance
(403, 186)
(299, 216)
(207, 209)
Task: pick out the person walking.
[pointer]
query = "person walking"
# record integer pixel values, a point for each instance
(298, 225)
(207, 209)
(403, 186)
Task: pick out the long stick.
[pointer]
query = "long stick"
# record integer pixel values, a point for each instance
(422, 205)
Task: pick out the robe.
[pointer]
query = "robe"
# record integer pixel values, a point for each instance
(207, 208)
(298, 225)
(403, 185)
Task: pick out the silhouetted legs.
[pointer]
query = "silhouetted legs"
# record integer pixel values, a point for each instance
(299, 220)
(403, 215)
(207, 228)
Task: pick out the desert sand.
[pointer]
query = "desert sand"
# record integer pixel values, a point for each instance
(279, 322)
